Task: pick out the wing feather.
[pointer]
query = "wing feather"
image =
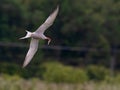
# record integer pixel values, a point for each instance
(31, 52)
(49, 21)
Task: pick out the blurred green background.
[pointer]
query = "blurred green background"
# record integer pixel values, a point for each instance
(85, 44)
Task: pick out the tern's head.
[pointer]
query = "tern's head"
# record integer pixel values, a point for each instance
(49, 40)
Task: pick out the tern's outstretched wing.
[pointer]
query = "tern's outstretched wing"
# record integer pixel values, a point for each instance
(32, 50)
(48, 22)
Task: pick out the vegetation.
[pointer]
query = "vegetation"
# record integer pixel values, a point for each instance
(97, 72)
(90, 23)
(55, 72)
(17, 83)
(80, 23)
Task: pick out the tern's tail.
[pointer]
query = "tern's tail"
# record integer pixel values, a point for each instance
(27, 35)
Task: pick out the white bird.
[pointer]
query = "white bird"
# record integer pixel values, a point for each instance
(38, 34)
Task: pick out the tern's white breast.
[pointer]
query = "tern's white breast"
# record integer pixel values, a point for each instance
(38, 36)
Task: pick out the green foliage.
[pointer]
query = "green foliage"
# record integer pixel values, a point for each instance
(58, 73)
(10, 69)
(82, 23)
(97, 72)
(14, 69)
(17, 83)
(113, 79)
(117, 78)
(55, 72)
(51, 72)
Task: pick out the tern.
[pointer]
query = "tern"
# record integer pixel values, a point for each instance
(38, 34)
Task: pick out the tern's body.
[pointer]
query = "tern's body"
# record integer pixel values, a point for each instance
(38, 34)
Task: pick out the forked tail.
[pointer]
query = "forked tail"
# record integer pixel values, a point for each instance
(27, 35)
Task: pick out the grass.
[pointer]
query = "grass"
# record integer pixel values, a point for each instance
(17, 83)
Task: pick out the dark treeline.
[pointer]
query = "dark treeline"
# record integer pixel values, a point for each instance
(80, 23)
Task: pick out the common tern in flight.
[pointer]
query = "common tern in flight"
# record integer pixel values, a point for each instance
(38, 34)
